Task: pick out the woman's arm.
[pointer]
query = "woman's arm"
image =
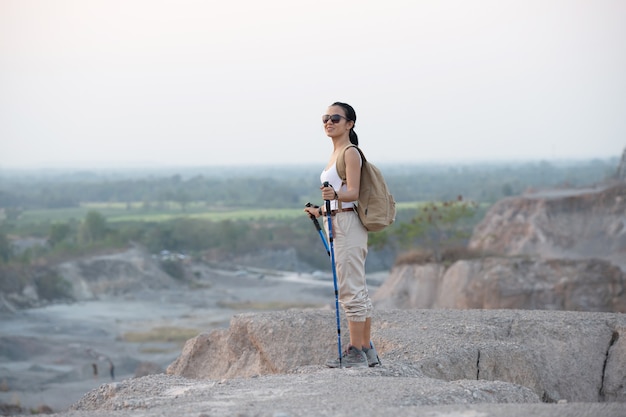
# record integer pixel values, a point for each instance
(353, 176)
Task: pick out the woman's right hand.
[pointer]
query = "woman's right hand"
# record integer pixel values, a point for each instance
(312, 211)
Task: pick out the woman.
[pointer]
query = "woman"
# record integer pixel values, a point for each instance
(349, 235)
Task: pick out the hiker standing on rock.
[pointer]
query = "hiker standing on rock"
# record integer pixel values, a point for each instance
(350, 236)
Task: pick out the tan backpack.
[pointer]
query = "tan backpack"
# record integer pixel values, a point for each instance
(376, 207)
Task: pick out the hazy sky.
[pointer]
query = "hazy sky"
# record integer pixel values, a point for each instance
(108, 83)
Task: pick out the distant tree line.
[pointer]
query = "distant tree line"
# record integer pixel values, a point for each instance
(291, 186)
(233, 192)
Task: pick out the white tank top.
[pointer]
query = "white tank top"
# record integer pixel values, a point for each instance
(332, 176)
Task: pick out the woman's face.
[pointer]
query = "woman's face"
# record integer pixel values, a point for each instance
(341, 127)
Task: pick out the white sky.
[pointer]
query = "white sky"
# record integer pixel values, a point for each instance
(112, 83)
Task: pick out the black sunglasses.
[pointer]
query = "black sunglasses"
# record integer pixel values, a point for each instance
(335, 118)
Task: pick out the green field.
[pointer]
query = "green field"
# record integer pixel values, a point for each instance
(122, 212)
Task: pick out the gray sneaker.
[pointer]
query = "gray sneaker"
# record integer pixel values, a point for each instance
(372, 356)
(351, 358)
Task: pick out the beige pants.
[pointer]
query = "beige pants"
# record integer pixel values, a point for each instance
(350, 246)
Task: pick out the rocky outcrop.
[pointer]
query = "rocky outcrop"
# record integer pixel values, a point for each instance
(553, 224)
(570, 356)
(556, 284)
(83, 279)
(515, 283)
(410, 286)
(114, 274)
(555, 250)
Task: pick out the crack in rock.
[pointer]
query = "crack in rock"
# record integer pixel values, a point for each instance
(614, 337)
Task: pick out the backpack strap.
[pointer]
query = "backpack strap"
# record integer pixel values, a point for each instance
(341, 161)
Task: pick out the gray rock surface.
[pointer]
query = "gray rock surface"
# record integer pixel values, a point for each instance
(435, 363)
(558, 355)
(323, 393)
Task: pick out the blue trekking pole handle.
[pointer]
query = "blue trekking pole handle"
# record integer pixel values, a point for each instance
(319, 228)
(332, 262)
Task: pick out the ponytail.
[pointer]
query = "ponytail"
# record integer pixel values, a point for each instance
(354, 138)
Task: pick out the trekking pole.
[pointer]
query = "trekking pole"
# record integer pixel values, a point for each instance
(332, 262)
(319, 228)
